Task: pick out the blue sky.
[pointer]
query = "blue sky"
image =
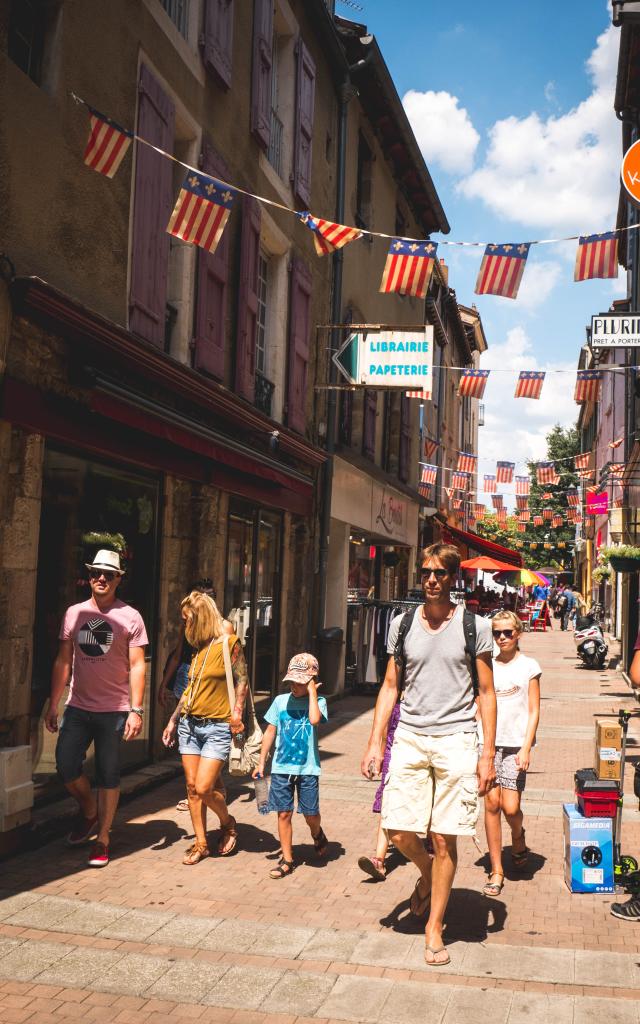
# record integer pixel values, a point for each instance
(512, 105)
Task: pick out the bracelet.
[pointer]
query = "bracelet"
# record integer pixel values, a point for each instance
(137, 711)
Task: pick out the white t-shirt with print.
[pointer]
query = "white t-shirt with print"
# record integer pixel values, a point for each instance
(511, 682)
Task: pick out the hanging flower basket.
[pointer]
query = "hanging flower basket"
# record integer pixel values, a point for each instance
(621, 563)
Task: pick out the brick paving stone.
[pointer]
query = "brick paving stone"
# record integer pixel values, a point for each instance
(243, 987)
(182, 983)
(357, 999)
(299, 993)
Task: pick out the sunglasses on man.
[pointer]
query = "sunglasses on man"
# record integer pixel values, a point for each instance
(506, 633)
(438, 573)
(109, 575)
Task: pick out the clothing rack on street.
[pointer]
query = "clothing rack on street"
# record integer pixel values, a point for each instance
(368, 622)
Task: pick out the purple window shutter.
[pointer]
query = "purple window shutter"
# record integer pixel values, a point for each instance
(305, 90)
(261, 71)
(369, 426)
(299, 325)
(212, 277)
(405, 438)
(153, 201)
(248, 299)
(217, 40)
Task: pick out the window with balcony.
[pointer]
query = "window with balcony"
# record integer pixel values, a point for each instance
(178, 11)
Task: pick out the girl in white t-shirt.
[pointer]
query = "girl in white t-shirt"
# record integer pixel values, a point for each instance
(516, 678)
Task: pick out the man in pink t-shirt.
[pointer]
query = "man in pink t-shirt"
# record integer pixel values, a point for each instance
(101, 659)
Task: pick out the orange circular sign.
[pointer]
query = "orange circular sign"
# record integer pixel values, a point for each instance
(630, 173)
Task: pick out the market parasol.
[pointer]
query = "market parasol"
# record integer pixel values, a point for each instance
(523, 577)
(486, 564)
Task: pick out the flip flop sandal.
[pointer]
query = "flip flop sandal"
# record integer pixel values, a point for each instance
(182, 805)
(418, 905)
(374, 867)
(494, 888)
(434, 952)
(320, 843)
(279, 871)
(228, 833)
(520, 858)
(196, 853)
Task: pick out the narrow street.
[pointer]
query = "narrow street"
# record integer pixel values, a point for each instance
(149, 940)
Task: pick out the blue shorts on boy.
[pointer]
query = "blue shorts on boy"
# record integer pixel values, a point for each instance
(296, 762)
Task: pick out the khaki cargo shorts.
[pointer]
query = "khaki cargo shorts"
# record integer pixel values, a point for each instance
(432, 784)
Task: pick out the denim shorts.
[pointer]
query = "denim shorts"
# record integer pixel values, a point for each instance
(78, 730)
(283, 788)
(204, 737)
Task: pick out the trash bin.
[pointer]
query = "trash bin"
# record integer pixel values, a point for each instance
(330, 656)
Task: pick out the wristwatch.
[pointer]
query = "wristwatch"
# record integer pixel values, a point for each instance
(138, 711)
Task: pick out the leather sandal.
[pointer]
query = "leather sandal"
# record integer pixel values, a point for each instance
(320, 843)
(228, 833)
(282, 869)
(519, 858)
(196, 852)
(494, 888)
(418, 904)
(374, 867)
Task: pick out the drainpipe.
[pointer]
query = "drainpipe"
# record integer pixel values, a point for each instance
(347, 91)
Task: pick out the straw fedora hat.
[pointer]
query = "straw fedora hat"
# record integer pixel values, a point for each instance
(109, 560)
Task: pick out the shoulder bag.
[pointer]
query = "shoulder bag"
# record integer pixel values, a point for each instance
(245, 748)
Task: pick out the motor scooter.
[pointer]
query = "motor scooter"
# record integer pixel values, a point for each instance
(589, 640)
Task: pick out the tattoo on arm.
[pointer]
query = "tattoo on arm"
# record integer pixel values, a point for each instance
(240, 677)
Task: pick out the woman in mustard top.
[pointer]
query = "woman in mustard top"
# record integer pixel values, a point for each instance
(206, 722)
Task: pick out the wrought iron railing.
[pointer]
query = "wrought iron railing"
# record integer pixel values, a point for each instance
(264, 394)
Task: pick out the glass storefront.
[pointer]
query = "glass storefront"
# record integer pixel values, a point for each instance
(88, 505)
(252, 588)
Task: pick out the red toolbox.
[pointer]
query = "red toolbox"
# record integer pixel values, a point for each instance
(595, 798)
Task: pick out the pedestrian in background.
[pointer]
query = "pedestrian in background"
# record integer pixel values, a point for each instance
(516, 678)
(293, 721)
(375, 866)
(101, 658)
(204, 721)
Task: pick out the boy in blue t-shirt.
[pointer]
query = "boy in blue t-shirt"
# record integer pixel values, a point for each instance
(293, 721)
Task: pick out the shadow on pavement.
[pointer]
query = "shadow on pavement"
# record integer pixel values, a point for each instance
(470, 917)
(535, 863)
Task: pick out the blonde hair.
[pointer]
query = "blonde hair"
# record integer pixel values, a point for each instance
(203, 620)
(509, 617)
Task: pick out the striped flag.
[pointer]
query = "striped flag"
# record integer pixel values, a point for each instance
(490, 485)
(201, 211)
(522, 502)
(467, 462)
(616, 470)
(524, 517)
(430, 448)
(457, 503)
(460, 480)
(521, 527)
(617, 443)
(107, 144)
(408, 267)
(497, 501)
(428, 474)
(327, 236)
(501, 515)
(449, 491)
(523, 485)
(501, 269)
(538, 520)
(422, 395)
(582, 461)
(504, 472)
(547, 513)
(573, 498)
(546, 473)
(473, 383)
(423, 490)
(557, 520)
(588, 386)
(597, 256)
(530, 384)
(586, 474)
(478, 510)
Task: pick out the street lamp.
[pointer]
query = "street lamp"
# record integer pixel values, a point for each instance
(626, 12)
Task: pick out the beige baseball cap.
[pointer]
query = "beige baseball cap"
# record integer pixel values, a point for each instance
(302, 669)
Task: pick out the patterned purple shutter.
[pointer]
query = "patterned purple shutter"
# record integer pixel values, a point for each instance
(248, 299)
(261, 71)
(299, 325)
(213, 273)
(369, 425)
(217, 40)
(405, 438)
(153, 201)
(303, 136)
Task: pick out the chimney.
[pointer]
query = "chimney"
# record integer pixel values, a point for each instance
(445, 271)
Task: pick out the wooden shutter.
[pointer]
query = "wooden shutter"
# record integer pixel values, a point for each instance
(405, 438)
(248, 299)
(303, 137)
(153, 200)
(217, 40)
(261, 71)
(369, 424)
(299, 325)
(211, 302)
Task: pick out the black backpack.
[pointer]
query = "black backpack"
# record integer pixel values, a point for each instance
(469, 628)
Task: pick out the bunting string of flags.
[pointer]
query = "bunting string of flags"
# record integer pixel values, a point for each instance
(409, 262)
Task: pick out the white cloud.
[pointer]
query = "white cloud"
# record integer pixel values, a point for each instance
(443, 128)
(539, 280)
(558, 172)
(516, 428)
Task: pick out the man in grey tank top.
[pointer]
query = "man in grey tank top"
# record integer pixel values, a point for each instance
(435, 775)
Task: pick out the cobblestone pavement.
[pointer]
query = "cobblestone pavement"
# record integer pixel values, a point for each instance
(149, 940)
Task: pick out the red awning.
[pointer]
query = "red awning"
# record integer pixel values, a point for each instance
(481, 544)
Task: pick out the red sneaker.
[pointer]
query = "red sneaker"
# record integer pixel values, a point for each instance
(100, 856)
(85, 830)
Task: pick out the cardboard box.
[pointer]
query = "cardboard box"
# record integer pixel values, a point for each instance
(588, 852)
(608, 733)
(608, 763)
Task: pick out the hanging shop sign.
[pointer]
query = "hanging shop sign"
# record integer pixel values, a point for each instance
(609, 331)
(630, 173)
(390, 359)
(597, 504)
